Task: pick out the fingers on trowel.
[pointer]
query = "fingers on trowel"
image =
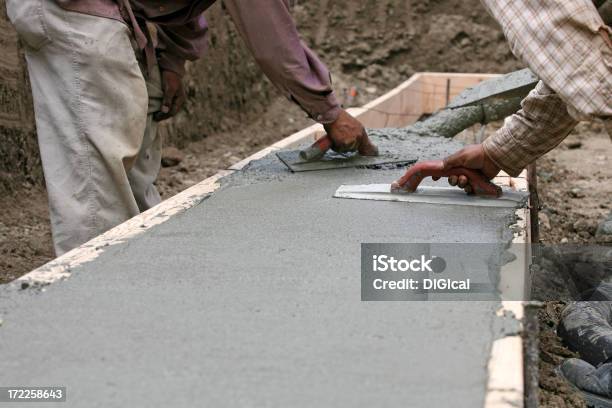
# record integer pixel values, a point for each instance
(415, 174)
(367, 148)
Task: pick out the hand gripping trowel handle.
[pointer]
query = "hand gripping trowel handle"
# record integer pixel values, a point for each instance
(435, 168)
(323, 144)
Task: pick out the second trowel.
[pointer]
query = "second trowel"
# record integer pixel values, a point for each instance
(428, 194)
(320, 157)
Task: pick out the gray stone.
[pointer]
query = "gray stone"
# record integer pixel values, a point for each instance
(171, 156)
(604, 230)
(576, 192)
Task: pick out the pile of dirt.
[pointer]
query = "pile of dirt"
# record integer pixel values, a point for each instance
(372, 46)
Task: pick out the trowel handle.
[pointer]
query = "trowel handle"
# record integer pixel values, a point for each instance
(322, 145)
(317, 150)
(435, 168)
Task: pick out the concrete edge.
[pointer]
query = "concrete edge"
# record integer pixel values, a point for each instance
(505, 381)
(59, 268)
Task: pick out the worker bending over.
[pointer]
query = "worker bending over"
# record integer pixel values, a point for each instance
(103, 72)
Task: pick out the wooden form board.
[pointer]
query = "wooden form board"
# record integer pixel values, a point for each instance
(422, 94)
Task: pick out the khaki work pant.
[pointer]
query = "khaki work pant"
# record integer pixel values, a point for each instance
(98, 142)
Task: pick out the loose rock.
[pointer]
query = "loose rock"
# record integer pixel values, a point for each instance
(604, 230)
(544, 220)
(576, 192)
(171, 156)
(583, 225)
(573, 144)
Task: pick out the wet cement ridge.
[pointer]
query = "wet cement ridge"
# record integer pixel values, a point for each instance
(252, 298)
(449, 122)
(513, 84)
(486, 102)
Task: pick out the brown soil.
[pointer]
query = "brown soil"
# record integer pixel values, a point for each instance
(25, 236)
(555, 392)
(574, 186)
(568, 215)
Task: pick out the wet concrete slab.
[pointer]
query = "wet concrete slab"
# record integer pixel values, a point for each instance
(252, 298)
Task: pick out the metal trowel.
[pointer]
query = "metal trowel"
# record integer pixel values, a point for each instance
(407, 189)
(319, 156)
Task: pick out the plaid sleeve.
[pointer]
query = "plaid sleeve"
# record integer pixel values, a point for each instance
(567, 44)
(541, 124)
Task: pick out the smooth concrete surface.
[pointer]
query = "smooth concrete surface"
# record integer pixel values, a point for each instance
(252, 299)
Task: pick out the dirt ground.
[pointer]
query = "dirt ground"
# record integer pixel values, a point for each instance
(575, 193)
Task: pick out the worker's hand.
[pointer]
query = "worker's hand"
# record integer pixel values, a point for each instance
(348, 134)
(471, 157)
(174, 95)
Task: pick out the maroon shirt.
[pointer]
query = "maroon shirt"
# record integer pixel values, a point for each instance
(265, 25)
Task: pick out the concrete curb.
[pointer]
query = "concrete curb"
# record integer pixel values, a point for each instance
(506, 384)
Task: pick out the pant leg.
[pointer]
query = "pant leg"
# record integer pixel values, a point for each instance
(90, 102)
(586, 326)
(148, 163)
